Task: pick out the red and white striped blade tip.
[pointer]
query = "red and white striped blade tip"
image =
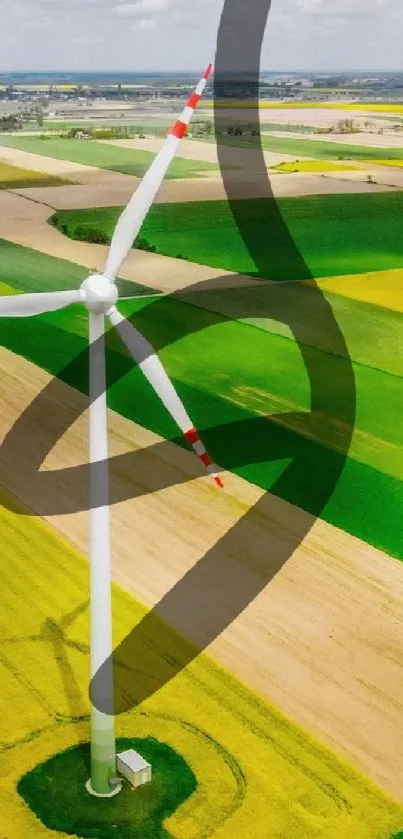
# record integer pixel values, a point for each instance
(192, 437)
(208, 71)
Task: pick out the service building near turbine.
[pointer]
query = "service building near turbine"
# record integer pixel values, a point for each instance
(132, 766)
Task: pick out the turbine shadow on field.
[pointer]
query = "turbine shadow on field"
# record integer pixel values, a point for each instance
(54, 634)
(205, 601)
(239, 566)
(247, 558)
(233, 446)
(233, 572)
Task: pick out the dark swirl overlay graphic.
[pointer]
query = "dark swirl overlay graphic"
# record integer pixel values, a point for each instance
(232, 573)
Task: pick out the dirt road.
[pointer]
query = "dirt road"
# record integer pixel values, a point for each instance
(25, 222)
(95, 187)
(201, 150)
(313, 116)
(39, 163)
(117, 193)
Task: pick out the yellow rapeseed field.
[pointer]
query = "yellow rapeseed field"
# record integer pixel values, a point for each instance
(257, 772)
(16, 177)
(33, 86)
(382, 288)
(388, 162)
(344, 106)
(311, 166)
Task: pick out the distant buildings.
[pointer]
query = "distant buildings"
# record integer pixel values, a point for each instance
(86, 90)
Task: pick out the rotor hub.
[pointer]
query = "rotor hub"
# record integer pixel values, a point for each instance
(100, 293)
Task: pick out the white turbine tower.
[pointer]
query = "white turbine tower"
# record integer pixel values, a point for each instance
(98, 293)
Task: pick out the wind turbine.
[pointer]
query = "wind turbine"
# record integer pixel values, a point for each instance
(98, 293)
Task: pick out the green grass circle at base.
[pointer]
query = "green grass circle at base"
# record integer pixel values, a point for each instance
(55, 791)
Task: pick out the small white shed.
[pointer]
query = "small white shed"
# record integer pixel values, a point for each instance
(133, 767)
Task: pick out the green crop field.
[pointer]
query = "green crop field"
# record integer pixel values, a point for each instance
(222, 382)
(326, 150)
(356, 319)
(336, 234)
(323, 149)
(28, 270)
(66, 806)
(129, 124)
(286, 126)
(91, 153)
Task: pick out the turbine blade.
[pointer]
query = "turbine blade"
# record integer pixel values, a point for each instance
(144, 354)
(24, 305)
(133, 216)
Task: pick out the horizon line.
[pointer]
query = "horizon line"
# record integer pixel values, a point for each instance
(196, 70)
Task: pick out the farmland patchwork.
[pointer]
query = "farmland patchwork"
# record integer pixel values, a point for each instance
(242, 765)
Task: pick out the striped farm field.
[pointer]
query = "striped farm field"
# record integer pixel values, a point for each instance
(227, 736)
(223, 386)
(91, 153)
(357, 316)
(15, 177)
(315, 148)
(25, 269)
(336, 234)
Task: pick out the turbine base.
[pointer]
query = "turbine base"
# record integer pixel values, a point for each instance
(117, 789)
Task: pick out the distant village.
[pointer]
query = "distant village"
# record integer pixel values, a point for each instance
(112, 103)
(290, 86)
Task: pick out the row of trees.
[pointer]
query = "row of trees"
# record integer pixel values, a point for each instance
(100, 237)
(198, 128)
(201, 128)
(240, 131)
(15, 122)
(112, 133)
(84, 233)
(205, 128)
(348, 126)
(343, 126)
(10, 123)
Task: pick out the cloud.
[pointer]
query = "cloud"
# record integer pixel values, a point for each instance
(342, 8)
(108, 35)
(139, 7)
(143, 25)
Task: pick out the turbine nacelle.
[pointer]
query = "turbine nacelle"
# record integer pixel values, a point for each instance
(99, 293)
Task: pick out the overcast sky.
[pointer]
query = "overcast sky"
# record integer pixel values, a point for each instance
(136, 35)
